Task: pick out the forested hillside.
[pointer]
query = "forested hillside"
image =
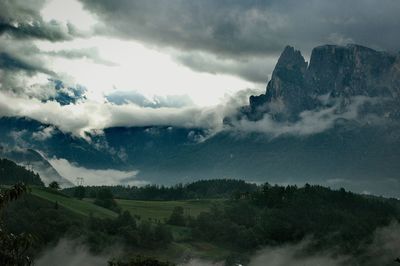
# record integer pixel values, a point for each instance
(275, 215)
(11, 173)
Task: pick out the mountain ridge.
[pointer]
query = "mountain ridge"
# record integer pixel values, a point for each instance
(338, 72)
(355, 143)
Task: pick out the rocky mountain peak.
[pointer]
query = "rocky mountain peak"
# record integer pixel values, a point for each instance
(350, 70)
(284, 95)
(341, 72)
(291, 60)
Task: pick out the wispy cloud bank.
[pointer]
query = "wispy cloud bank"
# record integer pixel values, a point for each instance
(45, 133)
(87, 115)
(70, 253)
(95, 176)
(309, 122)
(90, 115)
(382, 250)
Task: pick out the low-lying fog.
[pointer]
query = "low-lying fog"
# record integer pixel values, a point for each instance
(383, 250)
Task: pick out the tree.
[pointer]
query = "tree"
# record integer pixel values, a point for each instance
(13, 247)
(145, 234)
(161, 234)
(105, 199)
(177, 216)
(79, 192)
(54, 185)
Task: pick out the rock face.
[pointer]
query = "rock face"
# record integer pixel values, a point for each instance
(334, 73)
(286, 88)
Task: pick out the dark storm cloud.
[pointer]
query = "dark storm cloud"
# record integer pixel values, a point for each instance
(254, 69)
(251, 28)
(22, 20)
(19, 56)
(88, 53)
(249, 33)
(226, 27)
(51, 31)
(20, 62)
(20, 59)
(11, 63)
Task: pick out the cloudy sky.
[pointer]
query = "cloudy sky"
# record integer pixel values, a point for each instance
(84, 64)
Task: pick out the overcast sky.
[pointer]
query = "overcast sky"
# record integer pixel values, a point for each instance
(175, 60)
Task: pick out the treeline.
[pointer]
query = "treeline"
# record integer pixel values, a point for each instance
(214, 188)
(275, 215)
(11, 173)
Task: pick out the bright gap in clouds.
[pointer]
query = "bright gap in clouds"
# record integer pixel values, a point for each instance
(68, 11)
(138, 67)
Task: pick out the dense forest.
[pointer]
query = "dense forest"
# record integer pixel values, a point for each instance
(11, 173)
(274, 215)
(242, 218)
(213, 188)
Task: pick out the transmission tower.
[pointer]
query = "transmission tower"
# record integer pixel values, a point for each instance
(29, 166)
(79, 181)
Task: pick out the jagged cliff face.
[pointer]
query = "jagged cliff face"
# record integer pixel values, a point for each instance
(334, 74)
(285, 88)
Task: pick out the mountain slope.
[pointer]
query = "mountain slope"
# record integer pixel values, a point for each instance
(37, 163)
(11, 173)
(333, 121)
(80, 207)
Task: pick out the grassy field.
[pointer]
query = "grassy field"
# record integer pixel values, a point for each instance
(149, 210)
(78, 206)
(160, 210)
(153, 210)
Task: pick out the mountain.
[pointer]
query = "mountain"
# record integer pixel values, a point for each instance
(34, 161)
(333, 121)
(334, 74)
(24, 132)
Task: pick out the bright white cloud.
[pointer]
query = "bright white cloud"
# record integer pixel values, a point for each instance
(68, 11)
(92, 115)
(44, 134)
(96, 177)
(126, 65)
(140, 68)
(310, 122)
